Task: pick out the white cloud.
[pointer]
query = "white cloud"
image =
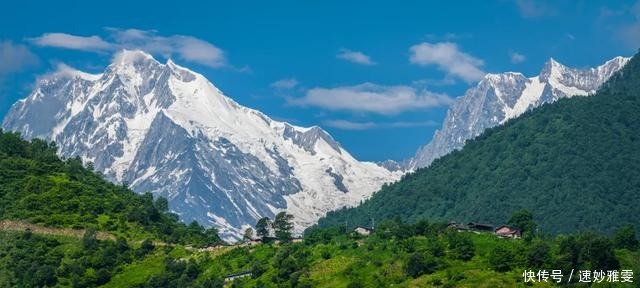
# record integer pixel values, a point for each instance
(353, 125)
(371, 98)
(355, 57)
(186, 48)
(288, 83)
(449, 59)
(516, 57)
(198, 51)
(68, 41)
(15, 58)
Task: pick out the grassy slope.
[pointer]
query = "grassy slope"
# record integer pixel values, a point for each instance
(379, 263)
(139, 272)
(371, 262)
(339, 262)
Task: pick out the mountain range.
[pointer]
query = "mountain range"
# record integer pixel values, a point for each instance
(166, 129)
(500, 97)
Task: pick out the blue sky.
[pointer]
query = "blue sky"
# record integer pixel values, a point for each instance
(378, 75)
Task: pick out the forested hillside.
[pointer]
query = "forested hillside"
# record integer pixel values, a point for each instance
(575, 164)
(37, 186)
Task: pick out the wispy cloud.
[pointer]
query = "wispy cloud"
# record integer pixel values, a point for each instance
(448, 58)
(516, 57)
(623, 22)
(354, 125)
(446, 81)
(355, 57)
(630, 31)
(534, 8)
(288, 83)
(15, 58)
(184, 47)
(349, 125)
(371, 98)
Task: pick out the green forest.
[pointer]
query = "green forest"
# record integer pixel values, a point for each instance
(37, 186)
(574, 163)
(423, 254)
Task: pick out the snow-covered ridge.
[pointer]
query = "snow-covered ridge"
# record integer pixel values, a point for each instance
(500, 97)
(166, 129)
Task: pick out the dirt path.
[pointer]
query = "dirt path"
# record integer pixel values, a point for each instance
(22, 226)
(14, 225)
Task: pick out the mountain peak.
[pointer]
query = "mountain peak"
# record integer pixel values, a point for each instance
(615, 63)
(128, 57)
(502, 77)
(172, 64)
(551, 67)
(619, 59)
(500, 97)
(552, 61)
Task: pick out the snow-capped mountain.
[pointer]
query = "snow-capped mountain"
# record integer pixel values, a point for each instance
(500, 97)
(166, 129)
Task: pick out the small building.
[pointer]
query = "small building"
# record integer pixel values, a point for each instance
(238, 275)
(507, 231)
(364, 231)
(480, 227)
(296, 240)
(252, 242)
(258, 241)
(460, 227)
(208, 248)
